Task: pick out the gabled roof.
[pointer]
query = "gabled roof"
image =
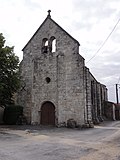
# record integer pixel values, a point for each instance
(49, 17)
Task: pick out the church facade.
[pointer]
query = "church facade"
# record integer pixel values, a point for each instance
(56, 84)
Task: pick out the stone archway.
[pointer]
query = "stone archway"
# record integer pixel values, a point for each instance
(48, 113)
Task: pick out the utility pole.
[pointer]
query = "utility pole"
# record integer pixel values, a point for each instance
(117, 93)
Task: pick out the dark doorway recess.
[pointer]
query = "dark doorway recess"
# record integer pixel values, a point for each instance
(48, 113)
(117, 115)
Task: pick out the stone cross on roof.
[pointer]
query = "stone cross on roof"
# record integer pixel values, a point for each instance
(49, 13)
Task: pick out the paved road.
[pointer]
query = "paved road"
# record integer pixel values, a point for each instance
(35, 143)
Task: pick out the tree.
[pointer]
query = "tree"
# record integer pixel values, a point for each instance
(9, 74)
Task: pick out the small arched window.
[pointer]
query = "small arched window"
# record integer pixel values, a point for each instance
(52, 44)
(45, 45)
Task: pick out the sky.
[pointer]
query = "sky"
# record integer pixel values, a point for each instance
(89, 21)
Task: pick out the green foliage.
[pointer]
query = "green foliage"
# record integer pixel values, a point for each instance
(9, 74)
(12, 113)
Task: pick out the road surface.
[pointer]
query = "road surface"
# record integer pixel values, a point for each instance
(40, 143)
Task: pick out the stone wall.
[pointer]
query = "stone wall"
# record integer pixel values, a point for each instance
(88, 108)
(65, 70)
(109, 110)
(98, 97)
(58, 76)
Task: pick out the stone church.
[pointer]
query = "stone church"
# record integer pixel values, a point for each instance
(56, 84)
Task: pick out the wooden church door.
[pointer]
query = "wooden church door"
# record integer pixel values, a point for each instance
(48, 114)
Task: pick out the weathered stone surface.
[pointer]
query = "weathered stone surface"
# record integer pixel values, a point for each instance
(58, 77)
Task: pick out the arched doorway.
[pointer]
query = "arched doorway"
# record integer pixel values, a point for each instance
(48, 113)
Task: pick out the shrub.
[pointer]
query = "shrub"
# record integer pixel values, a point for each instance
(12, 113)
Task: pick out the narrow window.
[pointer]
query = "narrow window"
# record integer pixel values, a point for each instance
(52, 44)
(45, 45)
